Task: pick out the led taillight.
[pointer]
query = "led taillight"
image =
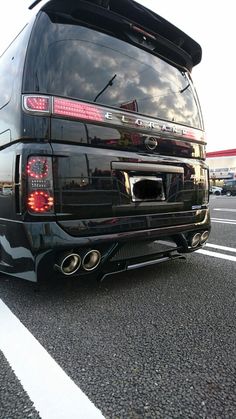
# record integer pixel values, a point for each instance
(194, 134)
(40, 201)
(77, 110)
(37, 167)
(34, 103)
(40, 197)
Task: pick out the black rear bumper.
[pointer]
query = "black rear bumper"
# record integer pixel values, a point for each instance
(33, 250)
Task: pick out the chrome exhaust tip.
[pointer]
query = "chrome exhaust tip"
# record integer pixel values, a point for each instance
(195, 240)
(68, 263)
(204, 236)
(91, 260)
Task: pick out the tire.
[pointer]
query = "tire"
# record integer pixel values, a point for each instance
(228, 193)
(217, 193)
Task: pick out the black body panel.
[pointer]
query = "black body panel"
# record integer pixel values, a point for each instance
(91, 212)
(87, 182)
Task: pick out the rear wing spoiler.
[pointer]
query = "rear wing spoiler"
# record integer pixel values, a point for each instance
(171, 42)
(161, 27)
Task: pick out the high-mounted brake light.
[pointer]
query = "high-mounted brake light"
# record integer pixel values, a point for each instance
(37, 103)
(40, 197)
(77, 110)
(143, 32)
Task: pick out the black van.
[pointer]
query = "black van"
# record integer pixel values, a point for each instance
(102, 142)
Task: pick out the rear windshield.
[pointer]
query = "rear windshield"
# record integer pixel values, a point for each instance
(75, 61)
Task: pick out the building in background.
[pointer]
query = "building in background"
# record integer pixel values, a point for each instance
(222, 165)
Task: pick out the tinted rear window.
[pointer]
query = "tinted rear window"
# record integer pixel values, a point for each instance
(78, 62)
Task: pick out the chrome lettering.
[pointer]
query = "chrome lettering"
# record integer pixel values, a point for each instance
(139, 122)
(123, 119)
(153, 125)
(165, 128)
(108, 115)
(147, 124)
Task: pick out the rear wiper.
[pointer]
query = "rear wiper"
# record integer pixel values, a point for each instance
(110, 83)
(185, 88)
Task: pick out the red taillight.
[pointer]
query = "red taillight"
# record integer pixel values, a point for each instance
(37, 103)
(40, 198)
(62, 107)
(77, 110)
(194, 134)
(37, 167)
(40, 201)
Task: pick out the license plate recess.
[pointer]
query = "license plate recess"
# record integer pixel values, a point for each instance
(146, 188)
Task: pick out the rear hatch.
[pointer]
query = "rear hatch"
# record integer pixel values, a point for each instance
(125, 123)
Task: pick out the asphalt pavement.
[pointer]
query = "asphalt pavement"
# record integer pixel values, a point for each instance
(154, 343)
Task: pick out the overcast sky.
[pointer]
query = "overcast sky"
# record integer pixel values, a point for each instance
(212, 25)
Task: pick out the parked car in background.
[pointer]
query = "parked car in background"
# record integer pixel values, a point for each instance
(215, 190)
(6, 190)
(229, 188)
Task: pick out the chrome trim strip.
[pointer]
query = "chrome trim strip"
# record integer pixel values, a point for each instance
(146, 167)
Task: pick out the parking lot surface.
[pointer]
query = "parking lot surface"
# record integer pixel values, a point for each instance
(155, 343)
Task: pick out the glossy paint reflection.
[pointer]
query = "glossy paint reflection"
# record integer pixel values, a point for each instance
(101, 68)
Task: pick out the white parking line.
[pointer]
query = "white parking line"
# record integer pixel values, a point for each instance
(224, 209)
(217, 246)
(223, 221)
(217, 255)
(54, 394)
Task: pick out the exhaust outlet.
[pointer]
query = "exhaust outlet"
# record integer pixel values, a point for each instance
(68, 264)
(204, 236)
(195, 240)
(91, 260)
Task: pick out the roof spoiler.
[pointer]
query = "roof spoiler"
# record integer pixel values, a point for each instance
(167, 30)
(34, 4)
(102, 3)
(174, 44)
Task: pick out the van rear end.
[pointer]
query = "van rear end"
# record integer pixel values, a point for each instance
(109, 166)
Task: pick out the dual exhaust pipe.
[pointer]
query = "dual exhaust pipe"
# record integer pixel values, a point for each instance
(198, 239)
(69, 263)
